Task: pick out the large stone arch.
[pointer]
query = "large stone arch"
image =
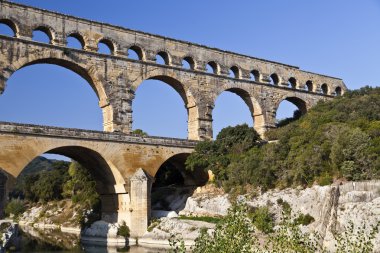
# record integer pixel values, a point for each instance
(102, 169)
(302, 103)
(89, 73)
(251, 101)
(110, 183)
(185, 92)
(178, 161)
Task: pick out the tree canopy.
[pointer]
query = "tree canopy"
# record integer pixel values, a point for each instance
(335, 139)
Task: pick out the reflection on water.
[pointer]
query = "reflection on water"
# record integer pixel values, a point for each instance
(53, 241)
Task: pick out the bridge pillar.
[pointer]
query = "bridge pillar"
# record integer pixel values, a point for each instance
(140, 192)
(200, 122)
(117, 115)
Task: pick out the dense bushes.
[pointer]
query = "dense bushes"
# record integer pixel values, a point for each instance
(61, 180)
(336, 139)
(15, 207)
(236, 233)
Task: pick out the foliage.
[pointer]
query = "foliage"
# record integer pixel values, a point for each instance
(235, 233)
(263, 219)
(201, 218)
(232, 234)
(304, 219)
(154, 222)
(139, 132)
(288, 238)
(41, 180)
(56, 180)
(80, 187)
(123, 230)
(228, 147)
(356, 239)
(15, 207)
(336, 139)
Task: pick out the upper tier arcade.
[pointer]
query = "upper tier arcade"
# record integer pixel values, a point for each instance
(262, 84)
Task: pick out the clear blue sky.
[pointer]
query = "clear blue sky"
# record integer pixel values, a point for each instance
(339, 38)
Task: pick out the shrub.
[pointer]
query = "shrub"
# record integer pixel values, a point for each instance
(285, 205)
(263, 219)
(123, 230)
(304, 219)
(325, 179)
(15, 207)
(236, 234)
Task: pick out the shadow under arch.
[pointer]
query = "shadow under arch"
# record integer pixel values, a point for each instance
(3, 191)
(177, 162)
(253, 106)
(173, 184)
(187, 98)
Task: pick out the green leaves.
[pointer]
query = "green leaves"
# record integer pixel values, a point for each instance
(338, 138)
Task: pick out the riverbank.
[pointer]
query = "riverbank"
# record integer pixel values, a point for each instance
(329, 209)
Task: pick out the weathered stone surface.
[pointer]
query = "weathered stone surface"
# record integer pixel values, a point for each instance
(332, 207)
(115, 159)
(115, 77)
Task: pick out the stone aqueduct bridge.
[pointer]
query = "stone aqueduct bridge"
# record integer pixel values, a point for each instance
(115, 161)
(262, 84)
(115, 77)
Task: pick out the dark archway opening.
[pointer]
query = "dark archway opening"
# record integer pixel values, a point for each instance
(135, 53)
(173, 184)
(106, 47)
(255, 75)
(309, 86)
(212, 67)
(163, 58)
(292, 82)
(188, 63)
(274, 79)
(324, 89)
(76, 41)
(234, 72)
(47, 94)
(338, 91)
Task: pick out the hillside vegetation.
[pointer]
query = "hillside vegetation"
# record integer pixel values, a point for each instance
(338, 139)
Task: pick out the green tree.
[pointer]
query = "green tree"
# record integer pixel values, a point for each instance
(80, 187)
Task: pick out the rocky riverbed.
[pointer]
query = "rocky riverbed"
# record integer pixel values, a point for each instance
(332, 207)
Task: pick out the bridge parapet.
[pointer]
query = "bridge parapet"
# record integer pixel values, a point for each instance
(73, 133)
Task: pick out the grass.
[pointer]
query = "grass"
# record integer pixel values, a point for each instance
(201, 218)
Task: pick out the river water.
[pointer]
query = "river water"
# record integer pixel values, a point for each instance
(52, 241)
